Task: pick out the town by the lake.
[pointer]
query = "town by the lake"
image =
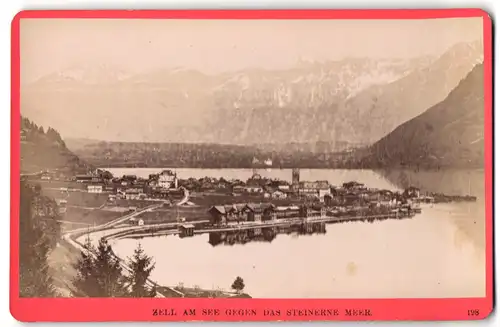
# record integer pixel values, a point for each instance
(161, 205)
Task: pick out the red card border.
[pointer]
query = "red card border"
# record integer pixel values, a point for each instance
(80, 309)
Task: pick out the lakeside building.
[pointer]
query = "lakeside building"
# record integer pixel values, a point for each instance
(314, 189)
(168, 179)
(186, 230)
(354, 186)
(260, 212)
(412, 192)
(87, 179)
(223, 214)
(283, 212)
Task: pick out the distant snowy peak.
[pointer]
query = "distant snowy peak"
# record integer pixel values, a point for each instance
(312, 83)
(87, 74)
(471, 52)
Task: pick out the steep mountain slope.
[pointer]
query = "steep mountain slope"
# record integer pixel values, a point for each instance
(449, 134)
(182, 105)
(379, 109)
(42, 151)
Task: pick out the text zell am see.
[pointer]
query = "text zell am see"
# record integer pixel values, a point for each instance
(263, 312)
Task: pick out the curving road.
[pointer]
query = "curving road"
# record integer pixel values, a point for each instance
(69, 236)
(185, 199)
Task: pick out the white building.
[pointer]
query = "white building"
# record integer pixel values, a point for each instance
(132, 194)
(167, 179)
(278, 194)
(284, 187)
(318, 189)
(322, 192)
(94, 188)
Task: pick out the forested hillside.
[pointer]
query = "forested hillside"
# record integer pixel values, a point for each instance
(45, 150)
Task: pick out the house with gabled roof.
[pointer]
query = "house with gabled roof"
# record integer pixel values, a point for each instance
(261, 212)
(223, 214)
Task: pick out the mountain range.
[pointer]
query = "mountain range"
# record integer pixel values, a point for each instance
(314, 109)
(449, 134)
(323, 101)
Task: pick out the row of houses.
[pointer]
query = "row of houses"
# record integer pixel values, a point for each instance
(130, 186)
(236, 213)
(317, 189)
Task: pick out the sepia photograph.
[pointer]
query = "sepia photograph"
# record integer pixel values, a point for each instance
(253, 158)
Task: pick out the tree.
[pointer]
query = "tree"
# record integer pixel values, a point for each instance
(34, 248)
(99, 273)
(54, 135)
(104, 174)
(238, 284)
(86, 280)
(141, 266)
(45, 213)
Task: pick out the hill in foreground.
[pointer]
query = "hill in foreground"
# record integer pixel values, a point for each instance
(45, 150)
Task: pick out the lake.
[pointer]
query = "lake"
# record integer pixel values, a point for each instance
(439, 253)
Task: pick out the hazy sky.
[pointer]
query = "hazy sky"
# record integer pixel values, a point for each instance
(50, 45)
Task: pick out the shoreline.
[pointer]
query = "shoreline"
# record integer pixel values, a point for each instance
(72, 238)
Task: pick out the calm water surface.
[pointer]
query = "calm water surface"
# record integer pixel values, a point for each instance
(439, 253)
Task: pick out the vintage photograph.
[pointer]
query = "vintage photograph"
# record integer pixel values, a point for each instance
(283, 159)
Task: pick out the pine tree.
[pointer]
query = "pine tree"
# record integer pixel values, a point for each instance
(152, 291)
(109, 271)
(46, 215)
(99, 275)
(54, 135)
(238, 284)
(34, 247)
(141, 266)
(86, 281)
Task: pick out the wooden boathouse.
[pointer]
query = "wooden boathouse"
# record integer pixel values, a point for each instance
(186, 230)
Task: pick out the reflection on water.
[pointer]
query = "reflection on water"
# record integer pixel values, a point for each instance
(438, 253)
(264, 234)
(450, 182)
(470, 217)
(426, 256)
